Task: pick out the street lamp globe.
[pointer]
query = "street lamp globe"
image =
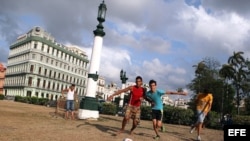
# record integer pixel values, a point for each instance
(101, 12)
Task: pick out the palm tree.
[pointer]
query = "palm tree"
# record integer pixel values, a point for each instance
(226, 73)
(238, 63)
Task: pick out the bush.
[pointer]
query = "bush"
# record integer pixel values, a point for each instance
(213, 121)
(109, 108)
(241, 120)
(18, 98)
(146, 113)
(175, 115)
(42, 101)
(33, 100)
(1, 96)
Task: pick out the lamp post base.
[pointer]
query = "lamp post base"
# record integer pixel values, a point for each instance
(88, 114)
(88, 108)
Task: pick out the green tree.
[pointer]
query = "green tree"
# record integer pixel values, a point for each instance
(226, 73)
(238, 63)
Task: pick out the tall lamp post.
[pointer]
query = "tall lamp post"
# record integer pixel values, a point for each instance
(123, 78)
(89, 104)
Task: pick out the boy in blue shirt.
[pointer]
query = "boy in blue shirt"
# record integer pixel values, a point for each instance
(157, 105)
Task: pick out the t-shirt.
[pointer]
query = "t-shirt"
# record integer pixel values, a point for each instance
(156, 97)
(70, 95)
(136, 94)
(203, 100)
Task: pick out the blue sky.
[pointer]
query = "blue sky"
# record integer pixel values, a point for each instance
(157, 39)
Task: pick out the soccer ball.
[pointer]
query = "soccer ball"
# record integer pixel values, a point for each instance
(127, 139)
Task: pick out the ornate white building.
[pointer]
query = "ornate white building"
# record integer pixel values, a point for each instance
(181, 103)
(39, 66)
(109, 90)
(100, 86)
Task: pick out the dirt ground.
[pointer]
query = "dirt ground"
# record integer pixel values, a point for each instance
(27, 122)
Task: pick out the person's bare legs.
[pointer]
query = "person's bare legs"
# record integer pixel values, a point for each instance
(156, 126)
(159, 124)
(135, 123)
(72, 115)
(124, 122)
(67, 115)
(199, 127)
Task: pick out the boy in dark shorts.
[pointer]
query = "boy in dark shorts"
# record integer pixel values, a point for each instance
(157, 105)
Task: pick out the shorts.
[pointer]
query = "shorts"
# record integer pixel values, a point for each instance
(200, 116)
(133, 112)
(70, 105)
(157, 114)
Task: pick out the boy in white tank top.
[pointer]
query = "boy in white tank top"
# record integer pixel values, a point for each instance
(70, 98)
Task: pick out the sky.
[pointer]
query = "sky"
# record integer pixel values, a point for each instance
(156, 39)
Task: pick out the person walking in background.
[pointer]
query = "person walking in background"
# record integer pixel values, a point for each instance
(203, 106)
(155, 95)
(133, 110)
(71, 96)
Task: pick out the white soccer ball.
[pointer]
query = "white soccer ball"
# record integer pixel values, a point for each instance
(127, 139)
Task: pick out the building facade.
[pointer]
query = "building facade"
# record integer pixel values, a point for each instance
(109, 90)
(39, 66)
(2, 77)
(100, 86)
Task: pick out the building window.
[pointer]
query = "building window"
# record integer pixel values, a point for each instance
(54, 74)
(36, 94)
(30, 81)
(39, 70)
(53, 86)
(33, 56)
(42, 95)
(48, 85)
(50, 72)
(44, 83)
(38, 82)
(52, 62)
(56, 63)
(31, 68)
(48, 50)
(41, 58)
(57, 88)
(47, 60)
(42, 47)
(35, 45)
(28, 93)
(45, 72)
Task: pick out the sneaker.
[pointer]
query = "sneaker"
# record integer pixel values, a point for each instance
(192, 129)
(198, 138)
(156, 137)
